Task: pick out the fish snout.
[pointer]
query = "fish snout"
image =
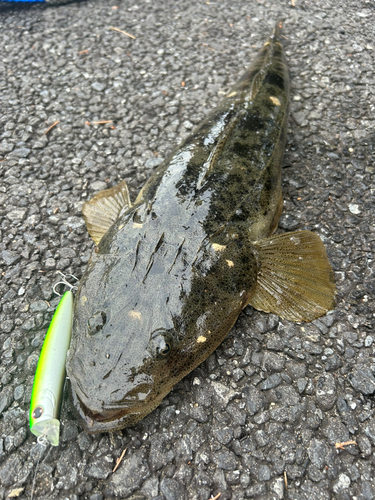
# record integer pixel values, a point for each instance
(123, 408)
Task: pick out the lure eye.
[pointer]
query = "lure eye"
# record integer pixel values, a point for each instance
(38, 412)
(96, 322)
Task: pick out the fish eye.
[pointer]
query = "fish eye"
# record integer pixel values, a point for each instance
(166, 349)
(160, 343)
(38, 412)
(96, 322)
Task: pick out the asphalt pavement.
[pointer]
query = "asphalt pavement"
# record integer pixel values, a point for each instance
(280, 410)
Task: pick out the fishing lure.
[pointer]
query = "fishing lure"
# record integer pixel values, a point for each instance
(50, 374)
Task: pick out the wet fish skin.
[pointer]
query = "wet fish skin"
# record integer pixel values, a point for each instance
(172, 273)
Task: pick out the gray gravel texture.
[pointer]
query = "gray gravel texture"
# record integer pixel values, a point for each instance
(271, 403)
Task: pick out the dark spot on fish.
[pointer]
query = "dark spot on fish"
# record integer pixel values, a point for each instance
(241, 214)
(159, 243)
(96, 322)
(274, 79)
(137, 219)
(253, 122)
(107, 374)
(136, 254)
(241, 149)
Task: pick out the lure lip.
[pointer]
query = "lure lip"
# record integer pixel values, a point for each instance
(49, 428)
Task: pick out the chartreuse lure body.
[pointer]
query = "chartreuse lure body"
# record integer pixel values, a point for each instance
(50, 373)
(171, 274)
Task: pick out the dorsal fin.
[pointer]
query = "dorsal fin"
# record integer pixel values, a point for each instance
(104, 208)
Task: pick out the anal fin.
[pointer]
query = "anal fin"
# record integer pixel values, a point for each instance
(104, 208)
(295, 279)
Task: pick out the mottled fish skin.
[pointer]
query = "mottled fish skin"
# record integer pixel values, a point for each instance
(170, 277)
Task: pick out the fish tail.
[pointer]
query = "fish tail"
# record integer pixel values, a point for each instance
(275, 35)
(270, 57)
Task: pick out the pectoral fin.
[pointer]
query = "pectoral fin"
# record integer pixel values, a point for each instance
(295, 279)
(104, 208)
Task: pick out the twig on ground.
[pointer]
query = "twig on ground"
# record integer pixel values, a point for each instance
(123, 32)
(119, 460)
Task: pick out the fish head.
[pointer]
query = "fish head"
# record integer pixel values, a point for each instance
(119, 360)
(137, 332)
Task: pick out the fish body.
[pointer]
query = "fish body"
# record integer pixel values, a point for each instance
(171, 274)
(50, 373)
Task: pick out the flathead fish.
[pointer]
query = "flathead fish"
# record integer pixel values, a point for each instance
(172, 272)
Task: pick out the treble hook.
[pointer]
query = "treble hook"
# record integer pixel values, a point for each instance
(64, 281)
(42, 440)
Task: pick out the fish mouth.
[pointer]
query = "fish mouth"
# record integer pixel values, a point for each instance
(111, 419)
